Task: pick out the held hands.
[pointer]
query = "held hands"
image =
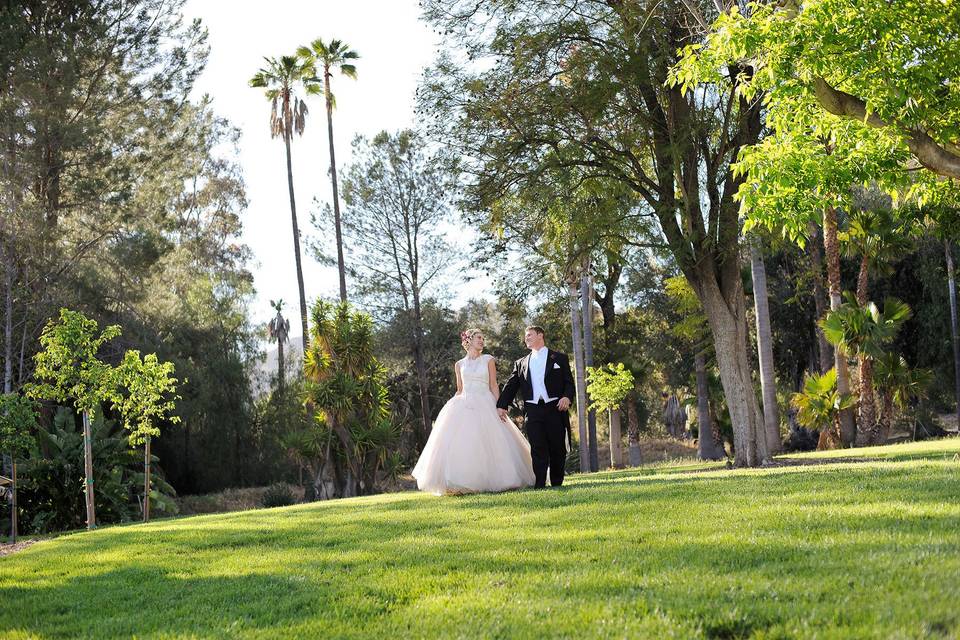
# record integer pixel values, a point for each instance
(563, 404)
(503, 414)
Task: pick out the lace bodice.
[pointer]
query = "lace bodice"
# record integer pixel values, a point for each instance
(475, 374)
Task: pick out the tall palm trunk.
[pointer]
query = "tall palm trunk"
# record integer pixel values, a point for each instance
(574, 299)
(954, 331)
(586, 296)
(831, 247)
(708, 447)
(336, 193)
(768, 383)
(280, 376)
(824, 350)
(867, 431)
(296, 244)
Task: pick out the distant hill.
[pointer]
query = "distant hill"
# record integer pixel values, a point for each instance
(267, 367)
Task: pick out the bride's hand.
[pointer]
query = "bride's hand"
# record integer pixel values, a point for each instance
(503, 414)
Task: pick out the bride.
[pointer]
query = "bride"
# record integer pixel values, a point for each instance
(470, 448)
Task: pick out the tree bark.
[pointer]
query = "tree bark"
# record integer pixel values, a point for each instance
(341, 268)
(13, 502)
(867, 432)
(633, 430)
(768, 383)
(296, 246)
(616, 452)
(146, 481)
(821, 304)
(708, 448)
(831, 247)
(574, 299)
(8, 275)
(586, 296)
(280, 372)
(88, 471)
(954, 330)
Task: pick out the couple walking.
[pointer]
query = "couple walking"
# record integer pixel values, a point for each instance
(474, 446)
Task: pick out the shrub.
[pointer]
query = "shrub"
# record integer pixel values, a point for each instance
(278, 495)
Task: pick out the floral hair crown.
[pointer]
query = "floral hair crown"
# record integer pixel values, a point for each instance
(464, 336)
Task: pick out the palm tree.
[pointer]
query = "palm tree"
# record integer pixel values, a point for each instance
(831, 250)
(864, 331)
(279, 328)
(288, 115)
(328, 56)
(820, 406)
(897, 384)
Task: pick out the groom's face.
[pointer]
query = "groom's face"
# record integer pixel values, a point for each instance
(533, 339)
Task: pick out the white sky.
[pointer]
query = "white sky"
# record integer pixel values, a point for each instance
(394, 47)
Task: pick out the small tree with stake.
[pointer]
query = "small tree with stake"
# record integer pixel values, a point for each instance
(145, 396)
(67, 369)
(608, 387)
(16, 418)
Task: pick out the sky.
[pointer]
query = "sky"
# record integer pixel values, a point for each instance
(394, 48)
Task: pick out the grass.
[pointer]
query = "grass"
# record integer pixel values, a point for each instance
(846, 550)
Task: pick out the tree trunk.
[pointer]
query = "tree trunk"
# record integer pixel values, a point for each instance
(831, 247)
(708, 448)
(341, 268)
(954, 331)
(885, 419)
(581, 375)
(280, 372)
(768, 383)
(421, 366)
(616, 452)
(824, 349)
(146, 481)
(296, 246)
(8, 275)
(13, 501)
(586, 297)
(728, 324)
(867, 431)
(88, 471)
(633, 430)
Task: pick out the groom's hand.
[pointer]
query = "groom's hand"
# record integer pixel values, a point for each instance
(563, 404)
(503, 414)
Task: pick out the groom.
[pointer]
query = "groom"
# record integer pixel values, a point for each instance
(543, 377)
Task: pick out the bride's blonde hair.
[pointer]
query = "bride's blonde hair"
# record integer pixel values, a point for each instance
(467, 336)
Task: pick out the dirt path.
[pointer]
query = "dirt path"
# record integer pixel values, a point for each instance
(6, 548)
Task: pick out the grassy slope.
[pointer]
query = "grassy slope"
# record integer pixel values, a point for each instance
(868, 549)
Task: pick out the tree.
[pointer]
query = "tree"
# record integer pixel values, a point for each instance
(819, 406)
(345, 390)
(890, 68)
(16, 418)
(328, 56)
(608, 387)
(864, 331)
(288, 116)
(68, 370)
(569, 84)
(397, 202)
(143, 399)
(279, 329)
(768, 382)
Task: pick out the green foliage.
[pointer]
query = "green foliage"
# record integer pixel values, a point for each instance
(17, 419)
(51, 496)
(68, 368)
(783, 531)
(278, 495)
(344, 383)
(864, 330)
(608, 386)
(144, 396)
(819, 404)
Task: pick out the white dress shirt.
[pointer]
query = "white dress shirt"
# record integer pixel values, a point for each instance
(538, 369)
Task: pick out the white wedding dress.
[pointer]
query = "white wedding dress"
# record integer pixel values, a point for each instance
(470, 449)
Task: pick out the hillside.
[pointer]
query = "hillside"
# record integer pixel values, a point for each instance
(867, 548)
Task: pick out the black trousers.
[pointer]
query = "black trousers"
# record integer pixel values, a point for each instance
(547, 431)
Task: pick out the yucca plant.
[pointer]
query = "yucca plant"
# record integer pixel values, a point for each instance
(897, 384)
(819, 406)
(865, 331)
(345, 388)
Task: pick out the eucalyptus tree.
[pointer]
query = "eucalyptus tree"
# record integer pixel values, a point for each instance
(397, 201)
(544, 86)
(326, 57)
(281, 78)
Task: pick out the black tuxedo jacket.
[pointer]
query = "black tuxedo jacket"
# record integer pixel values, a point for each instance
(557, 378)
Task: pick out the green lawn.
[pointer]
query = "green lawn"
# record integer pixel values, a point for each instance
(847, 550)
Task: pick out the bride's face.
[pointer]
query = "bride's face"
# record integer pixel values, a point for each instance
(476, 342)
